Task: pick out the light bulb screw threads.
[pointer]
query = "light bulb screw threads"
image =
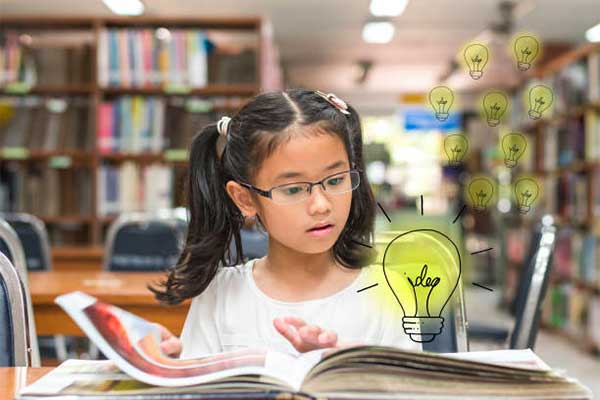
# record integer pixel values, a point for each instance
(422, 329)
(476, 74)
(493, 122)
(523, 66)
(441, 116)
(524, 209)
(535, 114)
(510, 163)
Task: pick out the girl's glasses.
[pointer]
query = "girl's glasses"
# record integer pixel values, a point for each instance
(290, 193)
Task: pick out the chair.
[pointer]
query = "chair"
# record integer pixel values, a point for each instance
(11, 248)
(144, 242)
(530, 293)
(34, 238)
(255, 243)
(15, 345)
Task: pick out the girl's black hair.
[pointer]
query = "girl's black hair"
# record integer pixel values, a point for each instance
(265, 122)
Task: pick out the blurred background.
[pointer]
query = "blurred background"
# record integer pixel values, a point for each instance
(99, 101)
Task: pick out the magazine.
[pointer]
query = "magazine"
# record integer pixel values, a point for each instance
(136, 367)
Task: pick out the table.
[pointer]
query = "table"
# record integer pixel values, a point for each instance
(13, 379)
(126, 290)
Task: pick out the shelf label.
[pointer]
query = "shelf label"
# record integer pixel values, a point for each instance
(17, 87)
(15, 153)
(176, 155)
(177, 89)
(198, 106)
(60, 162)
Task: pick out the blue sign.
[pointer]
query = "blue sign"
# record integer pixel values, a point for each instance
(422, 119)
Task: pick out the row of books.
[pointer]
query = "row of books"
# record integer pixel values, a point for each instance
(147, 57)
(567, 195)
(45, 59)
(574, 310)
(577, 256)
(130, 187)
(136, 124)
(45, 124)
(45, 192)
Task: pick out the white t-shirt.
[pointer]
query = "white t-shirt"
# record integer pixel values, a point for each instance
(233, 313)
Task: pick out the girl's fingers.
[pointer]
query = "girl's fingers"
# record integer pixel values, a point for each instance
(297, 322)
(288, 332)
(327, 339)
(310, 334)
(171, 347)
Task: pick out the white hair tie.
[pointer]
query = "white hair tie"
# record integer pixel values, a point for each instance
(222, 127)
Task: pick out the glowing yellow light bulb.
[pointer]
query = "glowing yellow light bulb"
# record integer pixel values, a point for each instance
(526, 49)
(422, 267)
(441, 99)
(481, 191)
(494, 106)
(456, 146)
(526, 192)
(540, 99)
(513, 146)
(476, 56)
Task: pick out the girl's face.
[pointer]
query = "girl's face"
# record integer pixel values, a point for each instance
(302, 159)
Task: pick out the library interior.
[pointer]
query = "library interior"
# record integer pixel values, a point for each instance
(472, 132)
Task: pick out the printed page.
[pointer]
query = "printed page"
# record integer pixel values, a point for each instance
(132, 343)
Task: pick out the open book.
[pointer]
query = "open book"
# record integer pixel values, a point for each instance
(136, 366)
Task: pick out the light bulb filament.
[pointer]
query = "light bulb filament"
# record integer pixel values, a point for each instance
(525, 196)
(426, 282)
(442, 103)
(539, 102)
(494, 110)
(481, 195)
(513, 152)
(526, 53)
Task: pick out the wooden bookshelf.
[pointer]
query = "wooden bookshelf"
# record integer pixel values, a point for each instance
(227, 97)
(565, 174)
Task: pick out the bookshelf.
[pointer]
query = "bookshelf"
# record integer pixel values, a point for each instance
(92, 108)
(565, 157)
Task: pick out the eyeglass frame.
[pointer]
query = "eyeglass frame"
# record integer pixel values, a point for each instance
(267, 193)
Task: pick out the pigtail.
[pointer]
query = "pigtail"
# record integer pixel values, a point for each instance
(361, 221)
(214, 221)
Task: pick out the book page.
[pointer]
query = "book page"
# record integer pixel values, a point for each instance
(133, 344)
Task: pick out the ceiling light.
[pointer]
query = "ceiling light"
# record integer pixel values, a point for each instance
(593, 34)
(125, 7)
(378, 32)
(387, 8)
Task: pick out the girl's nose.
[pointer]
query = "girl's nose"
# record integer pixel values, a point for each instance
(318, 200)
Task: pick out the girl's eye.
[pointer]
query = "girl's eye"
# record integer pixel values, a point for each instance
(335, 181)
(293, 190)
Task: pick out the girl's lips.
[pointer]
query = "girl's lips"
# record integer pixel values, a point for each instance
(321, 231)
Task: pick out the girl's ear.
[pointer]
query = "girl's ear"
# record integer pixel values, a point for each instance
(242, 198)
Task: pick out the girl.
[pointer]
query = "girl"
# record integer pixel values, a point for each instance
(293, 161)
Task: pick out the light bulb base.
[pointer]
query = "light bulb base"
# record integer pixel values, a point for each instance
(441, 116)
(455, 163)
(422, 329)
(510, 163)
(535, 114)
(479, 208)
(523, 66)
(523, 209)
(493, 122)
(476, 74)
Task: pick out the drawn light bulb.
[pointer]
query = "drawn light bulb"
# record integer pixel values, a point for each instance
(540, 99)
(481, 191)
(526, 50)
(476, 56)
(526, 192)
(513, 146)
(456, 147)
(441, 99)
(422, 267)
(494, 105)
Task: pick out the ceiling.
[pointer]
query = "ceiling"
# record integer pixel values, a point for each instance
(319, 41)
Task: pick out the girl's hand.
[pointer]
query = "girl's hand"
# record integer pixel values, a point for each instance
(169, 343)
(305, 337)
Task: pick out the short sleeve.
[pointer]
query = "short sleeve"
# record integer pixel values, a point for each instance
(200, 335)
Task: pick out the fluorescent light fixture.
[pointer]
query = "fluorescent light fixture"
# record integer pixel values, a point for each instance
(387, 8)
(593, 34)
(125, 7)
(378, 32)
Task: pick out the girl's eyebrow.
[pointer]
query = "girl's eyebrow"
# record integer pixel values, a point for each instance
(292, 174)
